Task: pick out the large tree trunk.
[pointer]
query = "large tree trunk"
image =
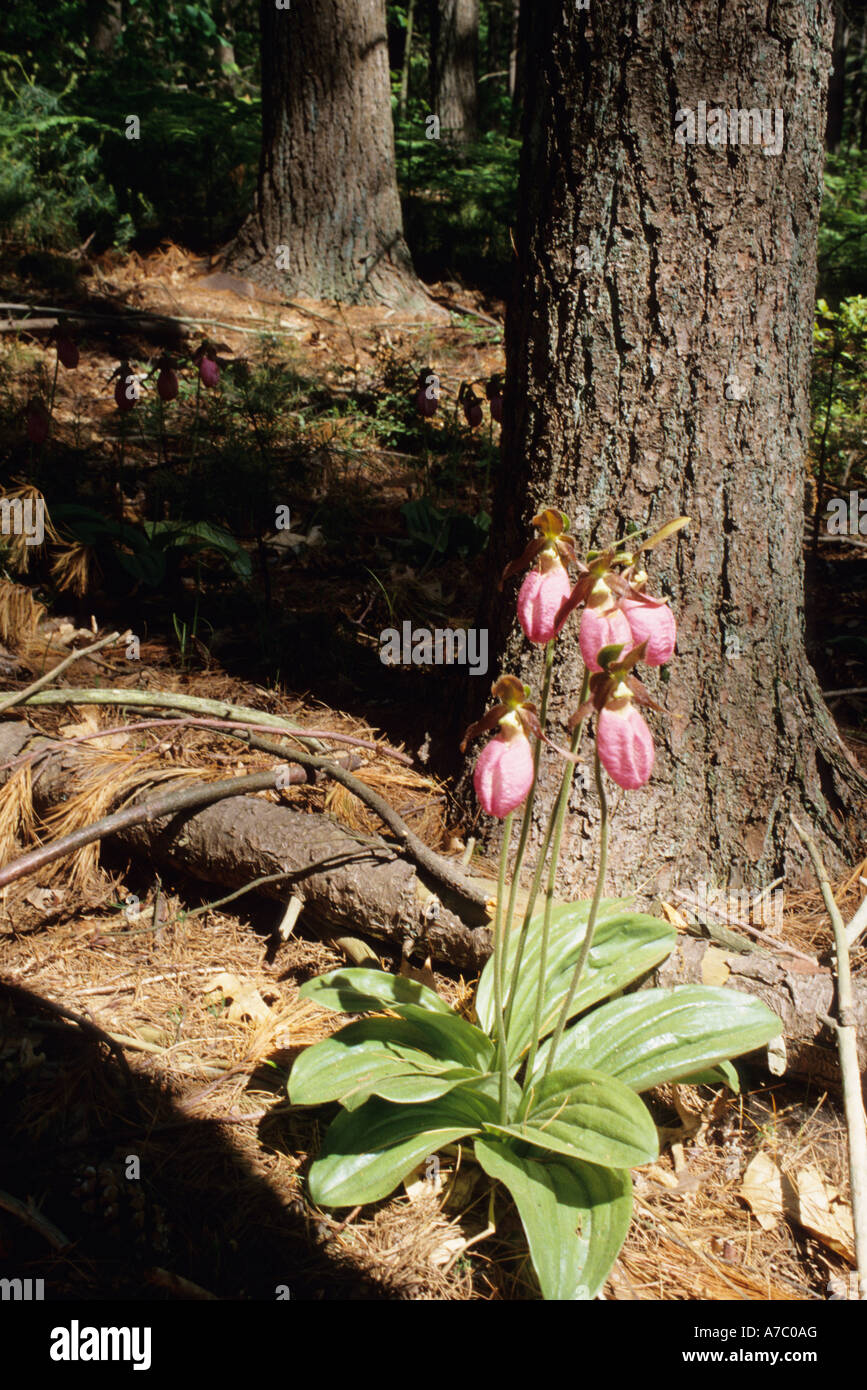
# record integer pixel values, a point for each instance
(669, 378)
(454, 64)
(327, 221)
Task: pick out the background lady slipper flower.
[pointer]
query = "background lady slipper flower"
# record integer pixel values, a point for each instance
(652, 622)
(473, 412)
(540, 597)
(67, 351)
(503, 774)
(209, 371)
(127, 389)
(427, 396)
(625, 742)
(38, 421)
(602, 625)
(167, 384)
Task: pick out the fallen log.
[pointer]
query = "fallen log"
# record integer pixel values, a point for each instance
(361, 885)
(348, 883)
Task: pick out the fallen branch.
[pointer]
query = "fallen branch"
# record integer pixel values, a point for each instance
(216, 724)
(847, 1045)
(85, 1024)
(20, 697)
(165, 699)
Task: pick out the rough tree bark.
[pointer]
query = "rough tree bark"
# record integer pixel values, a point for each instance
(327, 220)
(454, 67)
(671, 377)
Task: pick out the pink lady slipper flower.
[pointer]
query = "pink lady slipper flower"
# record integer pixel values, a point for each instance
(625, 742)
(503, 774)
(541, 596)
(205, 358)
(494, 393)
(651, 621)
(167, 381)
(127, 390)
(38, 421)
(67, 349)
(427, 395)
(209, 371)
(602, 625)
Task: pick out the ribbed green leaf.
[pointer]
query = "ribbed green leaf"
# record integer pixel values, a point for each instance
(575, 1216)
(588, 1115)
(625, 946)
(368, 991)
(661, 1035)
(368, 1151)
(361, 1058)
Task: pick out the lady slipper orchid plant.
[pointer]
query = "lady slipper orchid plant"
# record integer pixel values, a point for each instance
(541, 1088)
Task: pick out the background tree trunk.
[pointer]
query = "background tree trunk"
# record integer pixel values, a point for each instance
(107, 24)
(454, 67)
(513, 47)
(703, 264)
(327, 185)
(837, 83)
(407, 60)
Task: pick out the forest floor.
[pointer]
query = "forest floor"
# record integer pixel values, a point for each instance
(206, 1006)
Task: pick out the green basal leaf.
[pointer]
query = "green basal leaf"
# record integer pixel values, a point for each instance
(416, 1089)
(450, 1036)
(588, 1115)
(369, 991)
(575, 1216)
(368, 1151)
(723, 1075)
(361, 1058)
(661, 1035)
(626, 945)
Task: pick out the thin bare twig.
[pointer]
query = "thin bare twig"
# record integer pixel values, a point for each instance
(35, 1220)
(772, 941)
(847, 1045)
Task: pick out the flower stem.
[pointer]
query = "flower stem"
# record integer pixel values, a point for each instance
(591, 920)
(528, 813)
(38, 472)
(499, 952)
(557, 810)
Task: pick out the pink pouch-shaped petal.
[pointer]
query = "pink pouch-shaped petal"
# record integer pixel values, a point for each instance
(503, 774)
(167, 384)
(600, 630)
(538, 601)
(209, 371)
(67, 352)
(655, 626)
(625, 746)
